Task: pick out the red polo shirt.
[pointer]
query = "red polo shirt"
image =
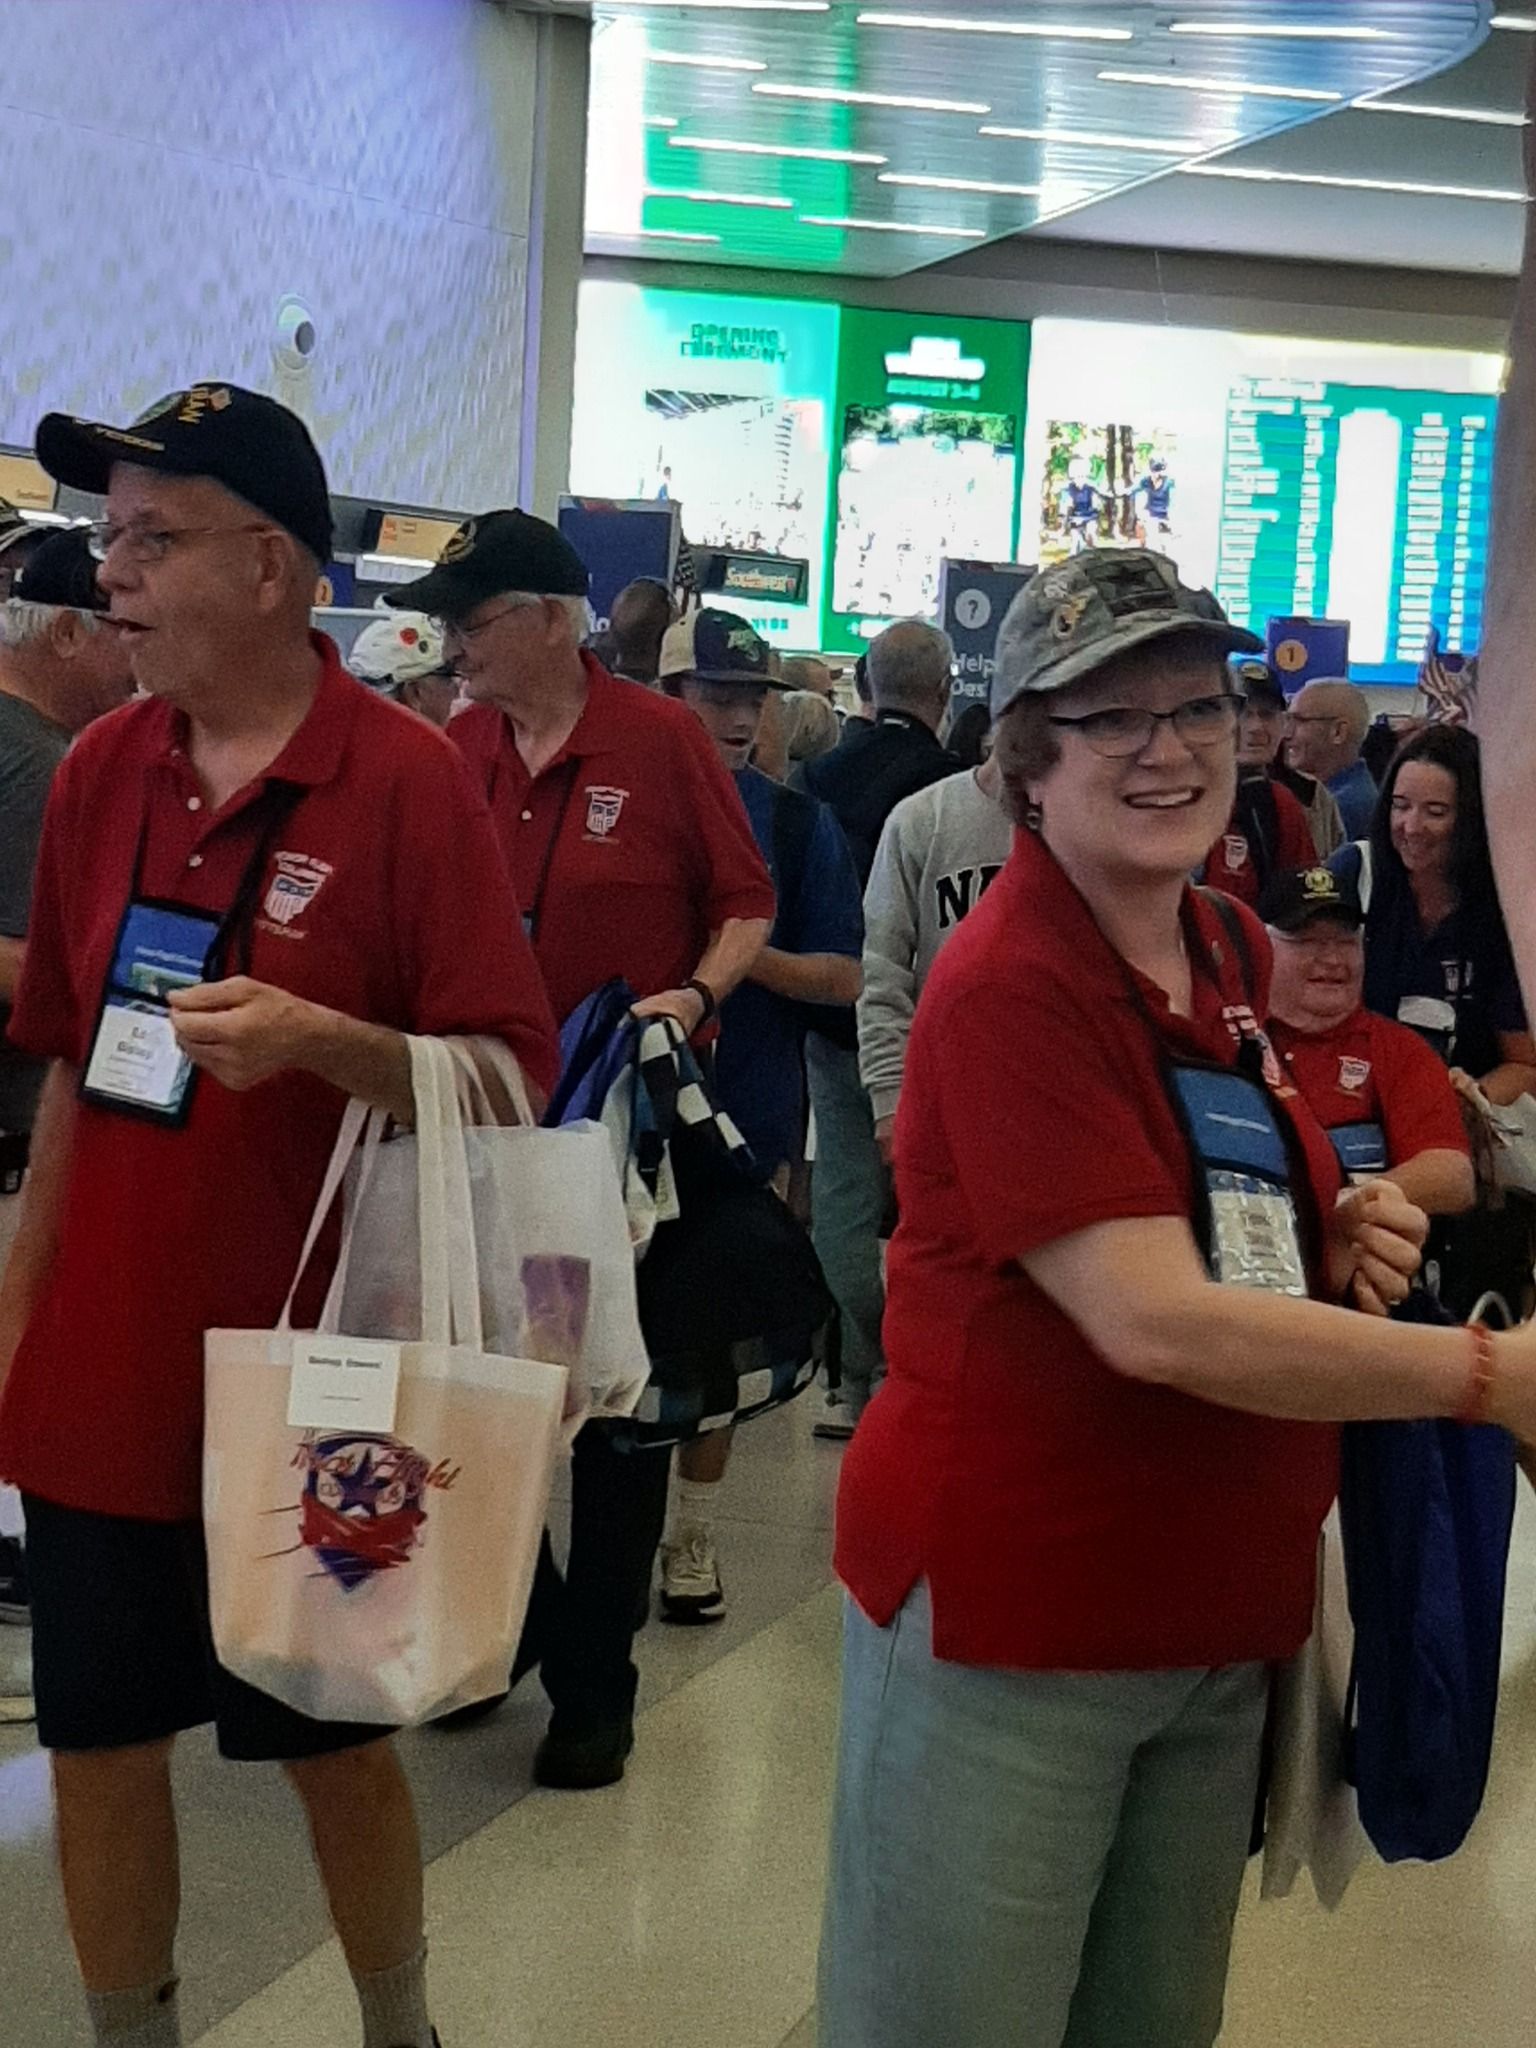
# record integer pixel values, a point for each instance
(1066, 1517)
(164, 1233)
(1373, 1070)
(1229, 866)
(632, 846)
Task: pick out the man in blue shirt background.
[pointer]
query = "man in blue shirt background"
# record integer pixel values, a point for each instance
(1329, 721)
(719, 667)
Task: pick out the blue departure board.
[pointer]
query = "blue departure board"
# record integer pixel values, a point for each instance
(1363, 503)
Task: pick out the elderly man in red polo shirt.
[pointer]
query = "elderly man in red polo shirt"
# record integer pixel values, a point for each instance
(632, 856)
(327, 876)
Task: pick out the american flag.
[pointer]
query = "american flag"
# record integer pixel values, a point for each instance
(1447, 683)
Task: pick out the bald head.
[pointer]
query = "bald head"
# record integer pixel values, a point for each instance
(642, 612)
(1329, 720)
(910, 670)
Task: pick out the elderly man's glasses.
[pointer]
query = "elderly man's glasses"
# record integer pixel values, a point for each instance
(456, 634)
(1124, 729)
(146, 544)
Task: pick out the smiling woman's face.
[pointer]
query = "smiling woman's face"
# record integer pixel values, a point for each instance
(1156, 812)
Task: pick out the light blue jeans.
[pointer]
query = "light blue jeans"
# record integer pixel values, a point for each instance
(848, 1191)
(1033, 1859)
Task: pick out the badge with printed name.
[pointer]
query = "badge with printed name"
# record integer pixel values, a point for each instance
(135, 1064)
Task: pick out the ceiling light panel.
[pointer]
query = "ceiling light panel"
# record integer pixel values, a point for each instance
(991, 116)
(1254, 175)
(1283, 31)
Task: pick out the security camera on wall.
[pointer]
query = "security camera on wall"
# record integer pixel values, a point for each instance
(294, 345)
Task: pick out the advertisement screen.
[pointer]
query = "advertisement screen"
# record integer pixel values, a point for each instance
(721, 405)
(1292, 476)
(929, 421)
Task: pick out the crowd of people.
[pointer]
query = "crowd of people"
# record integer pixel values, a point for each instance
(987, 996)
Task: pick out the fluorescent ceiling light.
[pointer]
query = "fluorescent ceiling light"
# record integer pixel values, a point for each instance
(872, 99)
(716, 198)
(1423, 191)
(728, 148)
(1234, 87)
(660, 121)
(732, 6)
(706, 63)
(1081, 138)
(1068, 31)
(959, 185)
(667, 235)
(1315, 31)
(889, 227)
(1522, 21)
(1484, 114)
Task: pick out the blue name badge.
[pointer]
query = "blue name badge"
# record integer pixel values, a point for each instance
(1361, 1149)
(135, 1064)
(1255, 1233)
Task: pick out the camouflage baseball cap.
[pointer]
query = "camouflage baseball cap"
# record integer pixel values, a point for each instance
(1072, 618)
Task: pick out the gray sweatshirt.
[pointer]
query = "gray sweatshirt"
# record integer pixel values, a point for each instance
(939, 850)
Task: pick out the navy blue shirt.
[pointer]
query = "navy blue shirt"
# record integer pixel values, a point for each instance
(1354, 791)
(1458, 980)
(759, 1074)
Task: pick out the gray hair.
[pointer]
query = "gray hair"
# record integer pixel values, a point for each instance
(577, 610)
(910, 664)
(22, 624)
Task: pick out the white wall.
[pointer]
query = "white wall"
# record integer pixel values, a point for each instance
(170, 169)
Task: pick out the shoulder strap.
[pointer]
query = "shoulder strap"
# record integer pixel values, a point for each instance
(1367, 872)
(1231, 919)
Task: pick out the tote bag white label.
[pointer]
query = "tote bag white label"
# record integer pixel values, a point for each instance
(345, 1383)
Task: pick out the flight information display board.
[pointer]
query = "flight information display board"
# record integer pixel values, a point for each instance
(1361, 502)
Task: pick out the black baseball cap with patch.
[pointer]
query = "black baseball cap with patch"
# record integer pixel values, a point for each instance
(717, 647)
(1256, 683)
(61, 570)
(1293, 901)
(490, 555)
(241, 439)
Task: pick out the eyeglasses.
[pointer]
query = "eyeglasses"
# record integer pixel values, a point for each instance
(146, 544)
(1125, 729)
(456, 634)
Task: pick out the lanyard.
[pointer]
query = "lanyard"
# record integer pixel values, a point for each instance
(535, 910)
(277, 804)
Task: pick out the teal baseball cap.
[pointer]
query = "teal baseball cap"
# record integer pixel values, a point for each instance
(1076, 616)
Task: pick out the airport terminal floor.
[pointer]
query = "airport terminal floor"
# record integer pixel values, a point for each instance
(680, 1909)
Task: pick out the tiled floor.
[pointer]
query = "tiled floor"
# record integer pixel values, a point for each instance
(680, 1909)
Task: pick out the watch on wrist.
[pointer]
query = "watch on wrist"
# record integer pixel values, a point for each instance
(706, 996)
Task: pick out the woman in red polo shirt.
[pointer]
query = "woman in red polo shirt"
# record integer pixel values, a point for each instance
(1079, 1522)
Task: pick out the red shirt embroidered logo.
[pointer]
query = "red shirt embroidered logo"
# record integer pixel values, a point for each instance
(1353, 1073)
(1235, 848)
(295, 885)
(603, 808)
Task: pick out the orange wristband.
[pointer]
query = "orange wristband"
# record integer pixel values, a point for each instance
(1479, 1393)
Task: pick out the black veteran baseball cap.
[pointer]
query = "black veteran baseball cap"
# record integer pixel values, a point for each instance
(241, 439)
(1292, 901)
(1072, 618)
(61, 570)
(490, 555)
(716, 647)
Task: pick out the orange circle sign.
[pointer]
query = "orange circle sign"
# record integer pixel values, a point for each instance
(1291, 655)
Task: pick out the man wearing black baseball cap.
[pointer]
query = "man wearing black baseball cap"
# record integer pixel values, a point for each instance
(60, 668)
(632, 857)
(1379, 1091)
(228, 823)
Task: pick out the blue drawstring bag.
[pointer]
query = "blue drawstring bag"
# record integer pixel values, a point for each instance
(1426, 1509)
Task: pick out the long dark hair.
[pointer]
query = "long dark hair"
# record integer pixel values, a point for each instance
(1454, 749)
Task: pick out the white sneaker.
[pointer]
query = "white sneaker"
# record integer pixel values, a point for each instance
(690, 1580)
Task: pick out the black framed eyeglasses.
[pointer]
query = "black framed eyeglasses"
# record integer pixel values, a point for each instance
(1125, 729)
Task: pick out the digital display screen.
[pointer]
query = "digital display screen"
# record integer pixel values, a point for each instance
(722, 406)
(1291, 476)
(1365, 503)
(758, 577)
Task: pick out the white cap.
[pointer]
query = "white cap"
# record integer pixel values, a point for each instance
(399, 647)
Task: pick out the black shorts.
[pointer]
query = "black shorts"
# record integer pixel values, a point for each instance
(122, 1649)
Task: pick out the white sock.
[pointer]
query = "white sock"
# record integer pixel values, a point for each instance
(693, 1507)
